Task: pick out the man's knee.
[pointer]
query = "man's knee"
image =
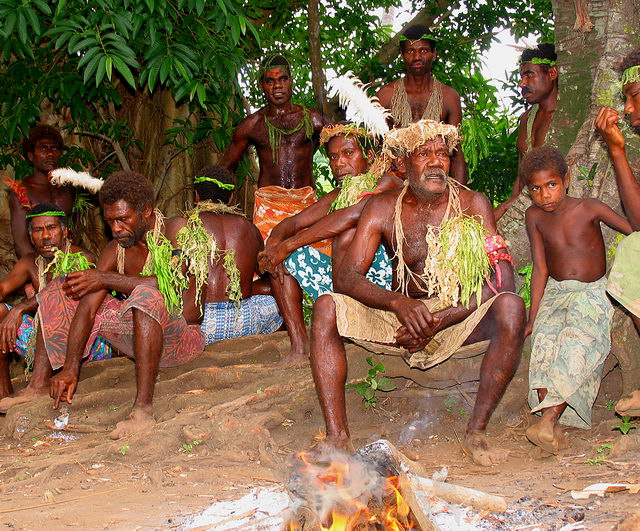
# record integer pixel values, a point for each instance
(510, 313)
(324, 309)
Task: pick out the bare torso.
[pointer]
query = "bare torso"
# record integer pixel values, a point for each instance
(573, 244)
(292, 165)
(540, 128)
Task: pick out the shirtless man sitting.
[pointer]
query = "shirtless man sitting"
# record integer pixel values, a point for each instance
(431, 330)
(47, 228)
(350, 151)
(147, 325)
(224, 285)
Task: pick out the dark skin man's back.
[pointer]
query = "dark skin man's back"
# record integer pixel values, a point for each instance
(293, 168)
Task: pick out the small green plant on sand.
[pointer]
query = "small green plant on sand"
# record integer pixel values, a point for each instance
(124, 449)
(598, 460)
(367, 388)
(450, 403)
(187, 448)
(625, 425)
(604, 448)
(610, 404)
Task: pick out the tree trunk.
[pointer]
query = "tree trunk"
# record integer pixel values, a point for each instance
(586, 82)
(315, 49)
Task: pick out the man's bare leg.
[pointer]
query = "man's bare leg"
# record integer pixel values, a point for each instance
(40, 378)
(6, 389)
(329, 368)
(546, 433)
(504, 327)
(630, 405)
(147, 344)
(288, 295)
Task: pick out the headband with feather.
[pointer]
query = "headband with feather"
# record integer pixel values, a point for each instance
(360, 108)
(64, 176)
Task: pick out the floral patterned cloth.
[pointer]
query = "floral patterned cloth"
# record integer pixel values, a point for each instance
(624, 278)
(570, 342)
(313, 270)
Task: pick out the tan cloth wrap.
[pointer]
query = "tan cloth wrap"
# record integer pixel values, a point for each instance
(375, 330)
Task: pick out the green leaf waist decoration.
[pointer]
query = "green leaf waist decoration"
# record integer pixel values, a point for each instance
(457, 264)
(64, 263)
(167, 269)
(275, 134)
(352, 188)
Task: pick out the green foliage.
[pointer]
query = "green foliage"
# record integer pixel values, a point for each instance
(625, 425)
(610, 404)
(187, 448)
(597, 461)
(124, 449)
(525, 289)
(307, 307)
(372, 383)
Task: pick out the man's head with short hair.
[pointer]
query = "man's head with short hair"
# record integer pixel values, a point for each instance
(40, 132)
(127, 204)
(414, 33)
(275, 80)
(130, 186)
(538, 73)
(208, 189)
(543, 158)
(47, 228)
(545, 172)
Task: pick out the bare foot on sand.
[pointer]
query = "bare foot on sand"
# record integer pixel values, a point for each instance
(139, 420)
(294, 359)
(630, 405)
(341, 442)
(477, 446)
(546, 436)
(22, 397)
(561, 438)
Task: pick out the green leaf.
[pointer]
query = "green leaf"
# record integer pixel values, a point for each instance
(91, 68)
(9, 23)
(180, 68)
(223, 6)
(22, 28)
(235, 30)
(33, 20)
(100, 71)
(42, 6)
(87, 56)
(164, 69)
(124, 70)
(153, 75)
(109, 67)
(83, 44)
(202, 95)
(60, 7)
(199, 7)
(386, 384)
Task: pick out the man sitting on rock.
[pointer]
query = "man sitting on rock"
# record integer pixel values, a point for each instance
(412, 223)
(149, 325)
(54, 255)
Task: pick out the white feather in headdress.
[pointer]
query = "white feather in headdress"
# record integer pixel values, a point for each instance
(64, 176)
(360, 108)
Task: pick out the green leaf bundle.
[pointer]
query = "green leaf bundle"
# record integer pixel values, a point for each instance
(352, 188)
(64, 263)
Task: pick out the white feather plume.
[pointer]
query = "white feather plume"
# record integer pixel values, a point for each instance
(64, 176)
(360, 108)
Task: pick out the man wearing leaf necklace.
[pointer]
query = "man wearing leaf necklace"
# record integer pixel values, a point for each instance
(148, 325)
(220, 247)
(539, 87)
(285, 137)
(444, 243)
(624, 280)
(42, 148)
(350, 150)
(420, 96)
(54, 255)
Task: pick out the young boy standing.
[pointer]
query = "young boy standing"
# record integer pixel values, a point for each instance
(570, 314)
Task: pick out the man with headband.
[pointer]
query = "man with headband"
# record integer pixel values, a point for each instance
(350, 150)
(220, 247)
(624, 278)
(285, 136)
(443, 240)
(54, 255)
(539, 88)
(420, 96)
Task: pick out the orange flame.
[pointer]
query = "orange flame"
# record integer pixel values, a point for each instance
(355, 513)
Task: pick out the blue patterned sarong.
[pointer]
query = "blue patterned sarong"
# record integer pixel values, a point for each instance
(313, 270)
(100, 350)
(257, 315)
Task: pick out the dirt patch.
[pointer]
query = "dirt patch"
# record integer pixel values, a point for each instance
(232, 420)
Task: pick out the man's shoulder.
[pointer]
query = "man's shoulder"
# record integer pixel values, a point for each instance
(474, 200)
(248, 123)
(448, 91)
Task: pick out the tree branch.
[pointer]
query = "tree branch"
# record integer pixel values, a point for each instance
(317, 72)
(114, 143)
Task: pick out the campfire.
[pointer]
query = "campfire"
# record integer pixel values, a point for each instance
(343, 493)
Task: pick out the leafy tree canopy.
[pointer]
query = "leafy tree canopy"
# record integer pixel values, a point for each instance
(87, 58)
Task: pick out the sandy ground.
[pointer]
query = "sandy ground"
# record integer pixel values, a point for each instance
(233, 419)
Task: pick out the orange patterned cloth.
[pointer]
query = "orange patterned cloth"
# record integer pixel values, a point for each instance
(274, 204)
